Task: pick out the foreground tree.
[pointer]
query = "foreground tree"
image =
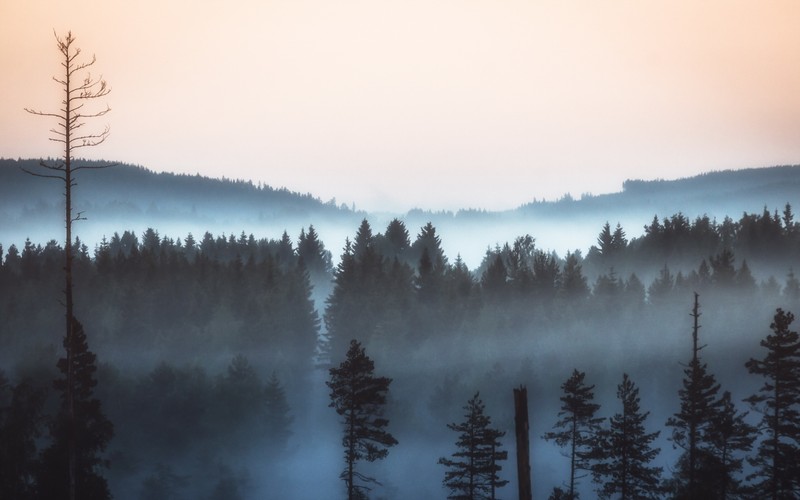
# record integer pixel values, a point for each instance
(694, 475)
(359, 398)
(729, 437)
(627, 451)
(778, 400)
(580, 428)
(472, 473)
(85, 430)
(77, 91)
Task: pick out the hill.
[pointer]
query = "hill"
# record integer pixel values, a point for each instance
(132, 197)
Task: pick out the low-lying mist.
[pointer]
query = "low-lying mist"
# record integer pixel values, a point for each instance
(213, 356)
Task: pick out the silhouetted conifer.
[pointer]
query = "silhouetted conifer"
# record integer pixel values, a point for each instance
(627, 450)
(359, 397)
(580, 429)
(694, 477)
(427, 238)
(472, 472)
(573, 282)
(90, 431)
(728, 437)
(777, 462)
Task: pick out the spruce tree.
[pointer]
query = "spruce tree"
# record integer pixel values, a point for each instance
(84, 429)
(359, 397)
(777, 462)
(580, 429)
(627, 450)
(573, 282)
(472, 471)
(729, 436)
(690, 425)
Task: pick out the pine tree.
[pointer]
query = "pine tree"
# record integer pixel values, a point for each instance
(778, 400)
(580, 428)
(396, 243)
(359, 398)
(690, 426)
(573, 282)
(313, 254)
(729, 435)
(472, 473)
(625, 472)
(427, 238)
(605, 241)
(86, 429)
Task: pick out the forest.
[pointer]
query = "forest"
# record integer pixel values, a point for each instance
(209, 365)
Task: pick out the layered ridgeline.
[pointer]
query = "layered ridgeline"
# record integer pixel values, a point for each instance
(133, 198)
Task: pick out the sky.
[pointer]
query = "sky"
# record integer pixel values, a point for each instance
(435, 104)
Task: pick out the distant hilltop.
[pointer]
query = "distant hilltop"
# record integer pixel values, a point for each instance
(128, 197)
(718, 193)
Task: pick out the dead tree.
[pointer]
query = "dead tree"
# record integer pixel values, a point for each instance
(78, 89)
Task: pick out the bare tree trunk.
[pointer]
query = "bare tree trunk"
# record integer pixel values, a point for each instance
(523, 443)
(69, 119)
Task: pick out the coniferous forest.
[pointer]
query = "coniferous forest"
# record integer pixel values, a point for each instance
(240, 366)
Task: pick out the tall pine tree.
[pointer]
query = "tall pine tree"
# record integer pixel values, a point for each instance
(628, 449)
(473, 470)
(85, 429)
(698, 396)
(729, 436)
(777, 463)
(580, 429)
(359, 398)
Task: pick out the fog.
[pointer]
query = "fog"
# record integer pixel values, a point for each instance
(193, 340)
(492, 350)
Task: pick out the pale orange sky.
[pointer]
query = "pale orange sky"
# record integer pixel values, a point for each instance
(439, 104)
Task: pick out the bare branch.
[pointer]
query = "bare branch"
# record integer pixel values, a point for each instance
(59, 167)
(95, 115)
(94, 167)
(42, 113)
(59, 177)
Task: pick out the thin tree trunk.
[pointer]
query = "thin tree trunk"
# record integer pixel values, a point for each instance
(68, 285)
(523, 443)
(572, 461)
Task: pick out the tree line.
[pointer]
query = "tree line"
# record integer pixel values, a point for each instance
(243, 294)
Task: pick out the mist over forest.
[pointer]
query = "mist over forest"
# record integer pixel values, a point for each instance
(217, 308)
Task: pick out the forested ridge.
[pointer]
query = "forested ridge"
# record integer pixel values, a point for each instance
(213, 346)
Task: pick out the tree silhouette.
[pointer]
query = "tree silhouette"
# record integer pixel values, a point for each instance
(627, 451)
(580, 428)
(85, 429)
(472, 473)
(778, 400)
(359, 398)
(70, 119)
(728, 436)
(690, 426)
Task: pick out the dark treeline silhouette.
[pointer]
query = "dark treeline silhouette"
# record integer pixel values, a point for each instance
(211, 345)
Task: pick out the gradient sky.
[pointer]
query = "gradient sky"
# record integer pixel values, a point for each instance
(439, 104)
